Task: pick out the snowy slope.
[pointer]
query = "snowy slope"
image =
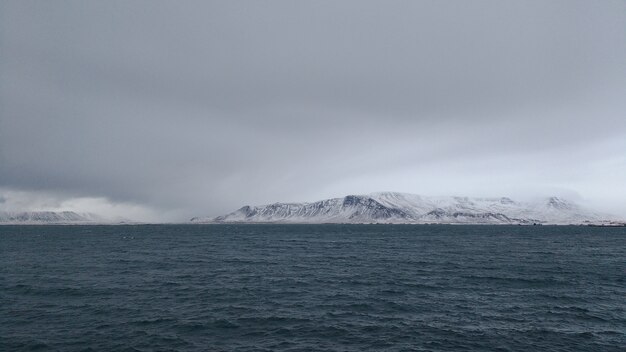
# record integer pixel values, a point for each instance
(49, 217)
(392, 207)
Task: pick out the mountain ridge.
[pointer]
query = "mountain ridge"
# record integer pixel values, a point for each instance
(405, 208)
(50, 218)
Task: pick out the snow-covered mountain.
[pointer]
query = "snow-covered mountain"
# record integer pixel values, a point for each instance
(49, 217)
(391, 207)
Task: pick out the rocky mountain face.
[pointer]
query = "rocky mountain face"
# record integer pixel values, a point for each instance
(403, 208)
(49, 217)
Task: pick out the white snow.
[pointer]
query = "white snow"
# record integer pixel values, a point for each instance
(49, 217)
(393, 207)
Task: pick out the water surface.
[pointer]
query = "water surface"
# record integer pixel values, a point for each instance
(312, 287)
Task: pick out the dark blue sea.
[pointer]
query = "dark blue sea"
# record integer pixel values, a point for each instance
(312, 288)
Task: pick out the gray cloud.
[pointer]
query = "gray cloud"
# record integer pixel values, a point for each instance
(197, 108)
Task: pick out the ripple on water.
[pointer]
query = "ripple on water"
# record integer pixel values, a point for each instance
(322, 287)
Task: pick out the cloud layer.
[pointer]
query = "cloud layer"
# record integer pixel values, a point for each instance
(197, 109)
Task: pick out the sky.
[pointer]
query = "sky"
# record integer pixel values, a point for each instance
(164, 110)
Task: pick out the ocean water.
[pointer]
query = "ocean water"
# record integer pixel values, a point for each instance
(312, 288)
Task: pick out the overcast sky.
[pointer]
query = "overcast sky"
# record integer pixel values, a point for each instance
(163, 110)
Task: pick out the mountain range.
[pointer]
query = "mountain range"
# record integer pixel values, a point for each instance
(380, 207)
(404, 208)
(49, 217)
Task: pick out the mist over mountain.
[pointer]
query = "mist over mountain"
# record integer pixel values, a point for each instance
(55, 218)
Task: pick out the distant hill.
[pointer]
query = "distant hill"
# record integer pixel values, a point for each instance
(403, 208)
(49, 217)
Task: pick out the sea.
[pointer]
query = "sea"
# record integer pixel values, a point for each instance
(312, 288)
